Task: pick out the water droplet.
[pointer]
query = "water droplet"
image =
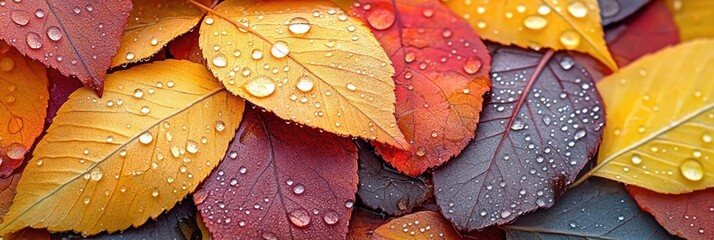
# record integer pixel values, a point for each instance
(472, 65)
(331, 217)
(260, 87)
(692, 169)
(580, 134)
(570, 39)
(299, 218)
(54, 33)
(535, 22)
(517, 125)
(20, 17)
(138, 93)
(146, 138)
(299, 189)
(540, 202)
(636, 159)
(578, 9)
(191, 146)
(34, 40)
(209, 20)
(349, 204)
(299, 25)
(305, 84)
(421, 152)
(233, 182)
(543, 10)
(145, 110)
(428, 12)
(15, 151)
(257, 54)
(219, 60)
(130, 56)
(39, 13)
(220, 126)
(280, 49)
(351, 87)
(380, 18)
(154, 41)
(567, 63)
(505, 214)
(110, 139)
(96, 174)
(155, 192)
(706, 138)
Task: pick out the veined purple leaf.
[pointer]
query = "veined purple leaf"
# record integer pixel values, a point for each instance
(541, 125)
(613, 11)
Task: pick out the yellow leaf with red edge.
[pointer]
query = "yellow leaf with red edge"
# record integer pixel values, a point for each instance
(419, 225)
(660, 121)
(111, 163)
(152, 24)
(693, 17)
(23, 103)
(560, 25)
(308, 62)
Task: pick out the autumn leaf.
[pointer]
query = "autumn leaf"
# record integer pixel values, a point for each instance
(659, 133)
(28, 234)
(152, 24)
(442, 74)
(363, 223)
(690, 216)
(567, 24)
(381, 187)
(613, 11)
(540, 126)
(693, 17)
(280, 181)
(597, 209)
(76, 37)
(419, 225)
(23, 104)
(60, 88)
(311, 64)
(186, 47)
(110, 163)
(7, 193)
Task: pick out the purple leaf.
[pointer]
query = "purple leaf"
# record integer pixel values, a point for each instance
(613, 11)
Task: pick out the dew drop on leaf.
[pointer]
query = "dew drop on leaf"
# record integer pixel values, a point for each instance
(535, 22)
(15, 151)
(299, 218)
(380, 18)
(54, 33)
(299, 189)
(20, 17)
(220, 126)
(570, 39)
(191, 146)
(299, 25)
(280, 49)
(577, 9)
(219, 60)
(146, 138)
(138, 93)
(305, 84)
(39, 13)
(257, 54)
(34, 40)
(331, 217)
(130, 56)
(692, 169)
(636, 159)
(260, 87)
(96, 174)
(472, 65)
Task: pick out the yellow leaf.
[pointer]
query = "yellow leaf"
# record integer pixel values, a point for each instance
(566, 24)
(693, 17)
(660, 121)
(23, 102)
(152, 24)
(111, 163)
(308, 62)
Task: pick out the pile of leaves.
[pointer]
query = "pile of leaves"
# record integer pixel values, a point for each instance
(317, 119)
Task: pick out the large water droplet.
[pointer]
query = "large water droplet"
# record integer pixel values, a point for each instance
(54, 33)
(146, 138)
(517, 125)
(299, 25)
(505, 214)
(299, 218)
(191, 146)
(39, 13)
(260, 87)
(636, 159)
(20, 17)
(280, 49)
(305, 84)
(380, 18)
(130, 56)
(331, 217)
(692, 169)
(219, 60)
(578, 9)
(299, 189)
(220, 126)
(34, 40)
(570, 39)
(15, 151)
(706, 138)
(535, 22)
(96, 174)
(138, 93)
(257, 54)
(472, 65)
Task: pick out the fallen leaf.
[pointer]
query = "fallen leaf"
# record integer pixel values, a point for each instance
(280, 181)
(152, 25)
(690, 216)
(420, 225)
(597, 209)
(442, 73)
(107, 164)
(60, 88)
(541, 125)
(23, 105)
(363, 223)
(28, 234)
(186, 47)
(179, 223)
(567, 24)
(693, 17)
(7, 193)
(77, 37)
(659, 133)
(612, 11)
(311, 64)
(381, 187)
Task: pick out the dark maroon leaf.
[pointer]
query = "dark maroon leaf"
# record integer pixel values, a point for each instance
(688, 215)
(280, 181)
(381, 187)
(363, 223)
(541, 125)
(60, 88)
(613, 11)
(179, 223)
(596, 209)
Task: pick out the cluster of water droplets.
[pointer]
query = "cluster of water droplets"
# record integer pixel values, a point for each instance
(418, 228)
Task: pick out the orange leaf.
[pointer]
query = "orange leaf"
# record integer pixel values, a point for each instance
(420, 225)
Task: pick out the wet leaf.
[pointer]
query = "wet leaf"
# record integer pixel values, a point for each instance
(541, 125)
(28, 234)
(152, 24)
(381, 187)
(311, 64)
(363, 223)
(567, 24)
(281, 181)
(8, 188)
(179, 223)
(420, 225)
(693, 17)
(612, 11)
(77, 37)
(442, 73)
(597, 209)
(60, 88)
(110, 163)
(660, 131)
(186, 47)
(23, 104)
(690, 216)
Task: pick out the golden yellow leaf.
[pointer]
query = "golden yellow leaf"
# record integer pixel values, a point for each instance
(565, 24)
(693, 17)
(660, 121)
(23, 102)
(110, 163)
(308, 62)
(152, 24)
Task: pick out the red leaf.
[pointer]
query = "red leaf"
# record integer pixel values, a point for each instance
(541, 125)
(363, 223)
(442, 73)
(689, 215)
(186, 47)
(77, 37)
(280, 181)
(613, 11)
(60, 88)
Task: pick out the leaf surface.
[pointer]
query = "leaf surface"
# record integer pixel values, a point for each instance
(660, 131)
(107, 164)
(363, 223)
(690, 215)
(152, 24)
(442, 74)
(381, 187)
(540, 126)
(597, 209)
(693, 17)
(419, 225)
(77, 37)
(281, 181)
(612, 11)
(186, 47)
(23, 105)
(566, 24)
(8, 188)
(327, 72)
